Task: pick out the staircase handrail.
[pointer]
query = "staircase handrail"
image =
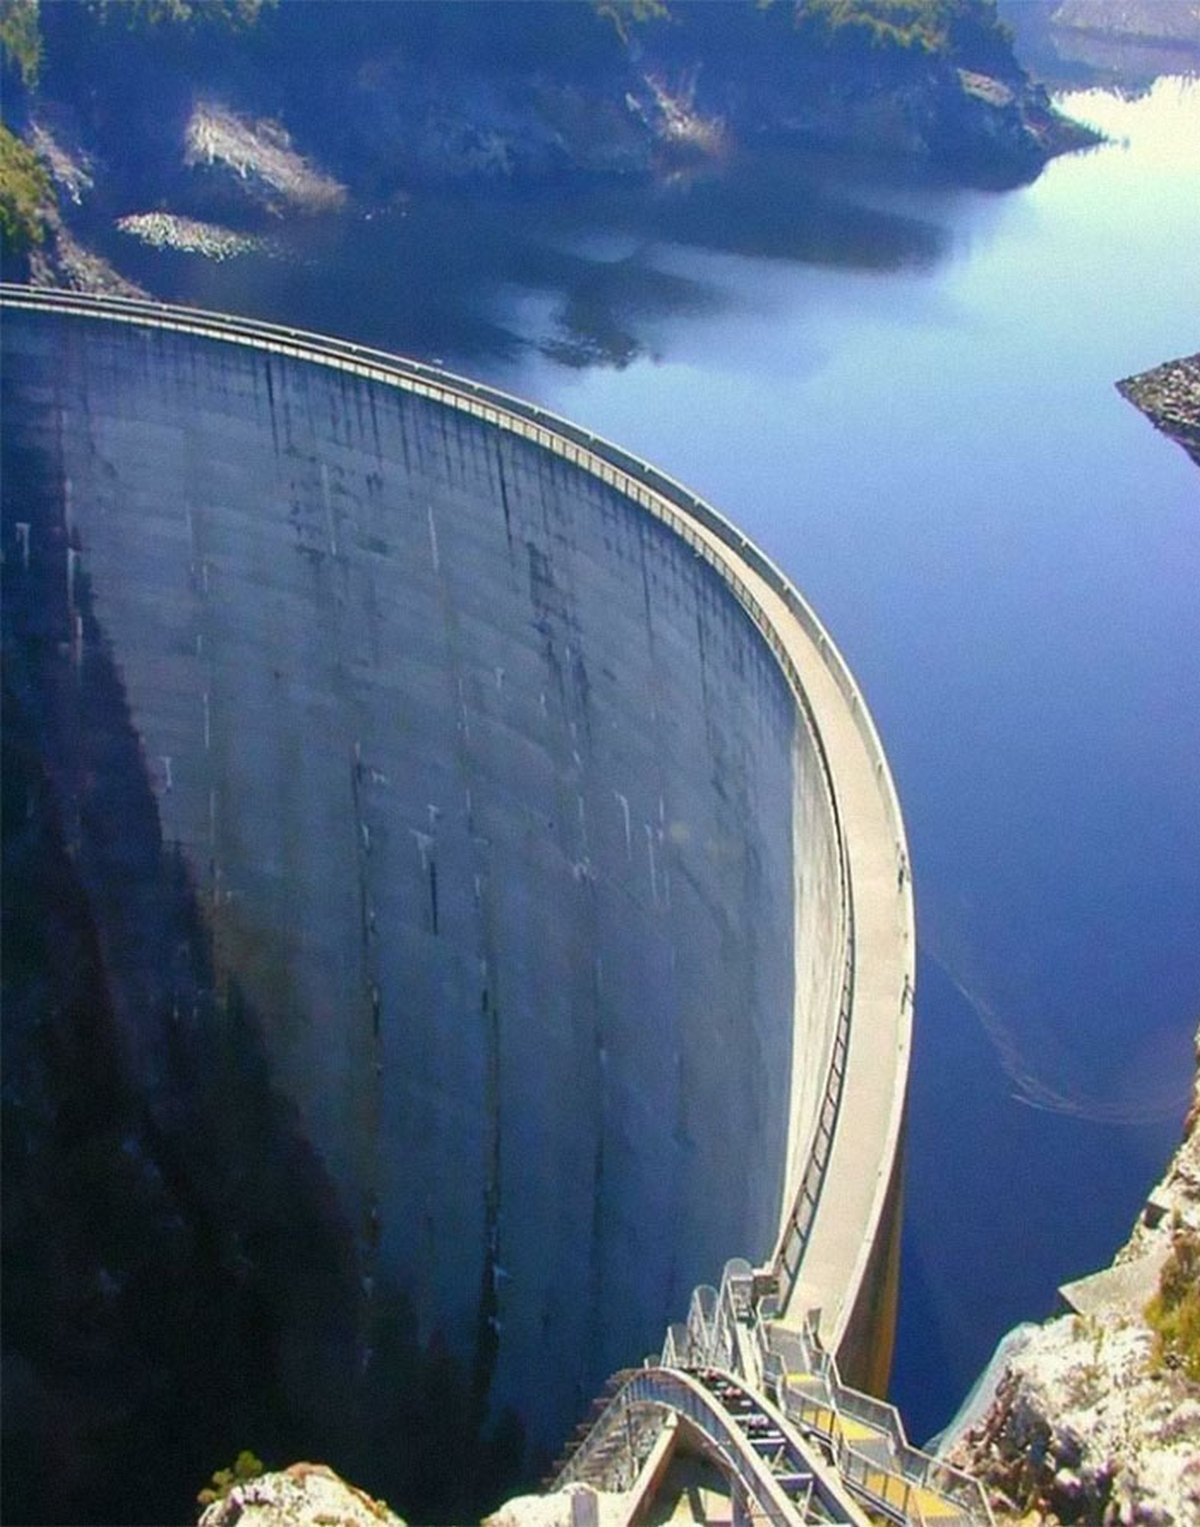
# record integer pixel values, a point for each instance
(911, 1462)
(686, 1395)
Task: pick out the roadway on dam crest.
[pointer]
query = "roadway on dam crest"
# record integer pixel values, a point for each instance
(838, 1217)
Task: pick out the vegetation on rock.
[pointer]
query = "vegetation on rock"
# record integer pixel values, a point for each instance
(1174, 1312)
(24, 194)
(232, 13)
(302, 1495)
(22, 42)
(949, 27)
(397, 95)
(245, 1466)
(21, 38)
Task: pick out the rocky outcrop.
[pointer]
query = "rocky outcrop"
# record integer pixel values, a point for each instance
(417, 95)
(261, 156)
(1143, 21)
(304, 1495)
(1094, 1419)
(164, 230)
(245, 130)
(70, 169)
(576, 1505)
(58, 258)
(1169, 396)
(62, 261)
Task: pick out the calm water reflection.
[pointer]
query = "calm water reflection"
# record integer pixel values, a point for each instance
(905, 394)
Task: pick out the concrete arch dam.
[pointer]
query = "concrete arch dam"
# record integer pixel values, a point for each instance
(532, 831)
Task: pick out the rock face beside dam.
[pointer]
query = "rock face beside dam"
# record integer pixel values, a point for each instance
(438, 853)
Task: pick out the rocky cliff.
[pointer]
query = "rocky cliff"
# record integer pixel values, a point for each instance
(1096, 1417)
(304, 1495)
(1169, 396)
(313, 109)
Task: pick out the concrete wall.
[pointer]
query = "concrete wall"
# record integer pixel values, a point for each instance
(502, 813)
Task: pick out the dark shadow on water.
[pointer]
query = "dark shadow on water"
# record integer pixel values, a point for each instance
(444, 274)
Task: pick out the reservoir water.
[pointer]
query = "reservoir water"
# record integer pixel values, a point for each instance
(905, 394)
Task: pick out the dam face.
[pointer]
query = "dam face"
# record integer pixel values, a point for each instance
(421, 771)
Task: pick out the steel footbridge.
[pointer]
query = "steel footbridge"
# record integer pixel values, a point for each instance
(762, 1401)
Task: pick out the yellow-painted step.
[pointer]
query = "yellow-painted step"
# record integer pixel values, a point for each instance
(858, 1431)
(934, 1505)
(892, 1487)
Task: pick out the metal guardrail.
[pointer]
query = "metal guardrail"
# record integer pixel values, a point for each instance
(667, 501)
(790, 1254)
(765, 1356)
(783, 1479)
(801, 1351)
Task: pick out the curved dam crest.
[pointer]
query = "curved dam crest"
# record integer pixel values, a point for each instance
(510, 821)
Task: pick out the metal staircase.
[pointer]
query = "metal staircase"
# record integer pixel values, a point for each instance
(766, 1400)
(865, 1439)
(774, 1474)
